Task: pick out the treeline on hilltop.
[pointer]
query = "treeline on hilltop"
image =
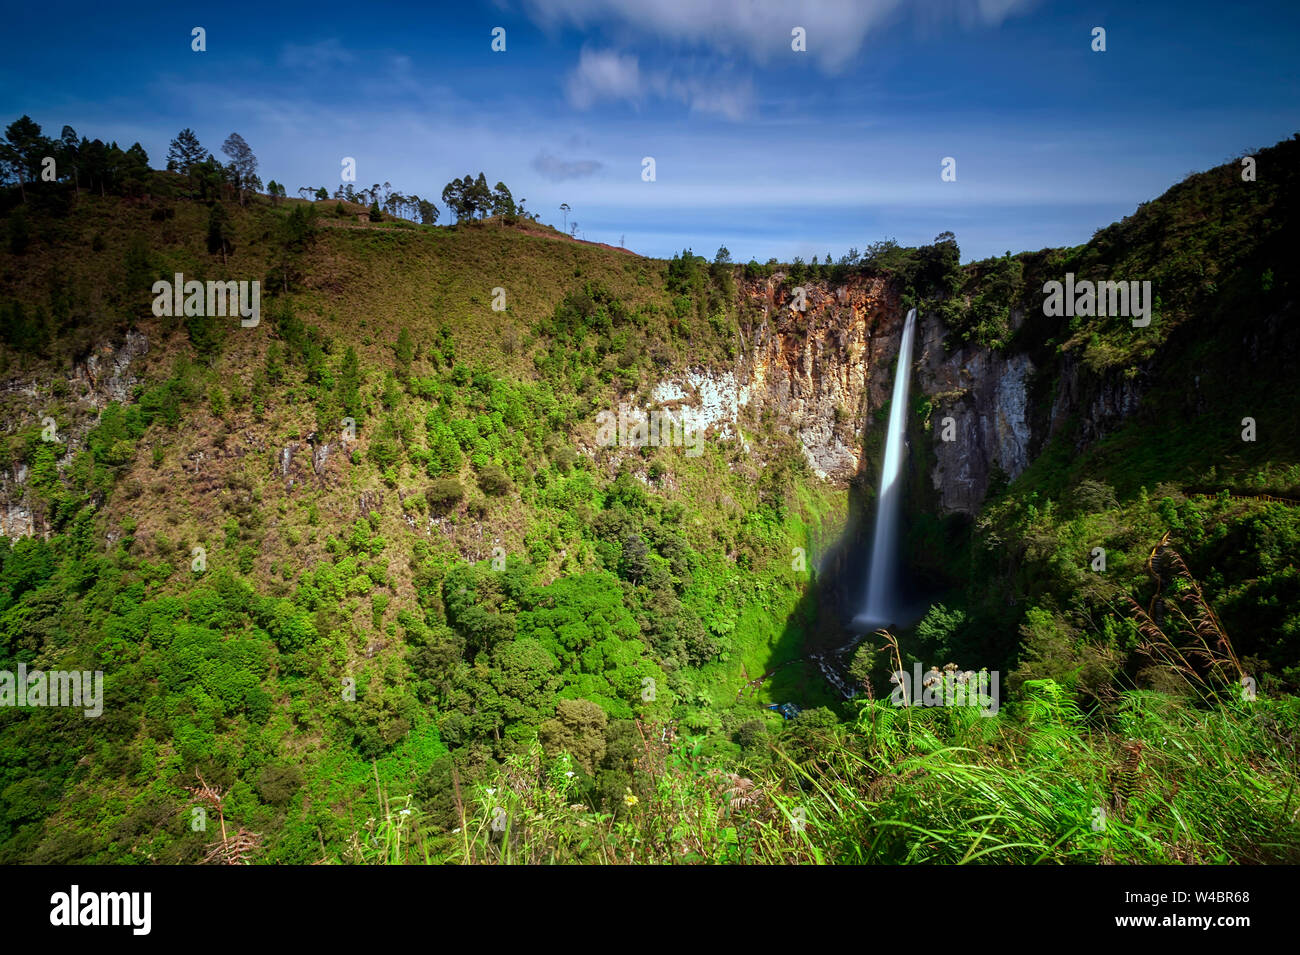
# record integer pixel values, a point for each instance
(39, 168)
(26, 155)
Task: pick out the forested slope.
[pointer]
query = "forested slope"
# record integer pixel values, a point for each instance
(369, 556)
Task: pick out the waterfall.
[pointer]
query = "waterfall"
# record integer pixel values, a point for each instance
(882, 584)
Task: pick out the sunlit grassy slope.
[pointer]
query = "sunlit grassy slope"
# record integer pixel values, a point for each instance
(541, 648)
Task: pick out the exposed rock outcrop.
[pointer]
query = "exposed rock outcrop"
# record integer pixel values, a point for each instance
(814, 367)
(806, 358)
(104, 376)
(980, 417)
(826, 369)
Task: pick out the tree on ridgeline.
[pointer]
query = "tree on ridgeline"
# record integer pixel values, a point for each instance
(94, 158)
(482, 196)
(242, 168)
(185, 152)
(209, 178)
(133, 169)
(69, 155)
(21, 152)
(503, 204)
(454, 195)
(469, 198)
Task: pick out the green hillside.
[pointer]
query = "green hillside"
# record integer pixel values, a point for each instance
(449, 627)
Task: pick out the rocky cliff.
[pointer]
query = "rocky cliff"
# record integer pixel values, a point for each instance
(809, 359)
(818, 358)
(980, 418)
(826, 369)
(106, 374)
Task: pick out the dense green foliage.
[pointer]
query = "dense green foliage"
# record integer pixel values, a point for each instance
(365, 572)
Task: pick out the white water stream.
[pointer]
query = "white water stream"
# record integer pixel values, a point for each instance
(882, 604)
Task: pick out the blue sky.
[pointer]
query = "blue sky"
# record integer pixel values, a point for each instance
(769, 151)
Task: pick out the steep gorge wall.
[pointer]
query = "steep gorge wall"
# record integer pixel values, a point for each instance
(822, 372)
(816, 368)
(826, 370)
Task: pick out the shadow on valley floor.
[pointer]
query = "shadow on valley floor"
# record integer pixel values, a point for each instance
(810, 660)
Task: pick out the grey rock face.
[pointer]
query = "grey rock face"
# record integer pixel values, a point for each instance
(824, 370)
(106, 371)
(986, 396)
(102, 377)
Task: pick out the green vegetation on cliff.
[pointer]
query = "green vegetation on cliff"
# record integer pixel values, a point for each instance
(361, 580)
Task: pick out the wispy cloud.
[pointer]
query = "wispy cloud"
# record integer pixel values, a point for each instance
(610, 76)
(561, 170)
(715, 94)
(760, 30)
(320, 55)
(603, 75)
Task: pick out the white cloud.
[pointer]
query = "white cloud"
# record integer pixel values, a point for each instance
(604, 75)
(607, 75)
(760, 30)
(716, 94)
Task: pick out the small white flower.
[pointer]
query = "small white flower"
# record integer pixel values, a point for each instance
(405, 812)
(569, 774)
(491, 792)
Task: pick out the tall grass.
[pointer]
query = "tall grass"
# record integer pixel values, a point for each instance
(1155, 780)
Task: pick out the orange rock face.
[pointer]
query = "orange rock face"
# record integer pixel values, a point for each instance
(811, 358)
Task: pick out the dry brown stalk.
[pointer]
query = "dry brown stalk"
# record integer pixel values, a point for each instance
(1206, 652)
(236, 850)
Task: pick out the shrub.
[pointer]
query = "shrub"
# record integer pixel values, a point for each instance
(444, 492)
(276, 784)
(1090, 496)
(564, 459)
(494, 480)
